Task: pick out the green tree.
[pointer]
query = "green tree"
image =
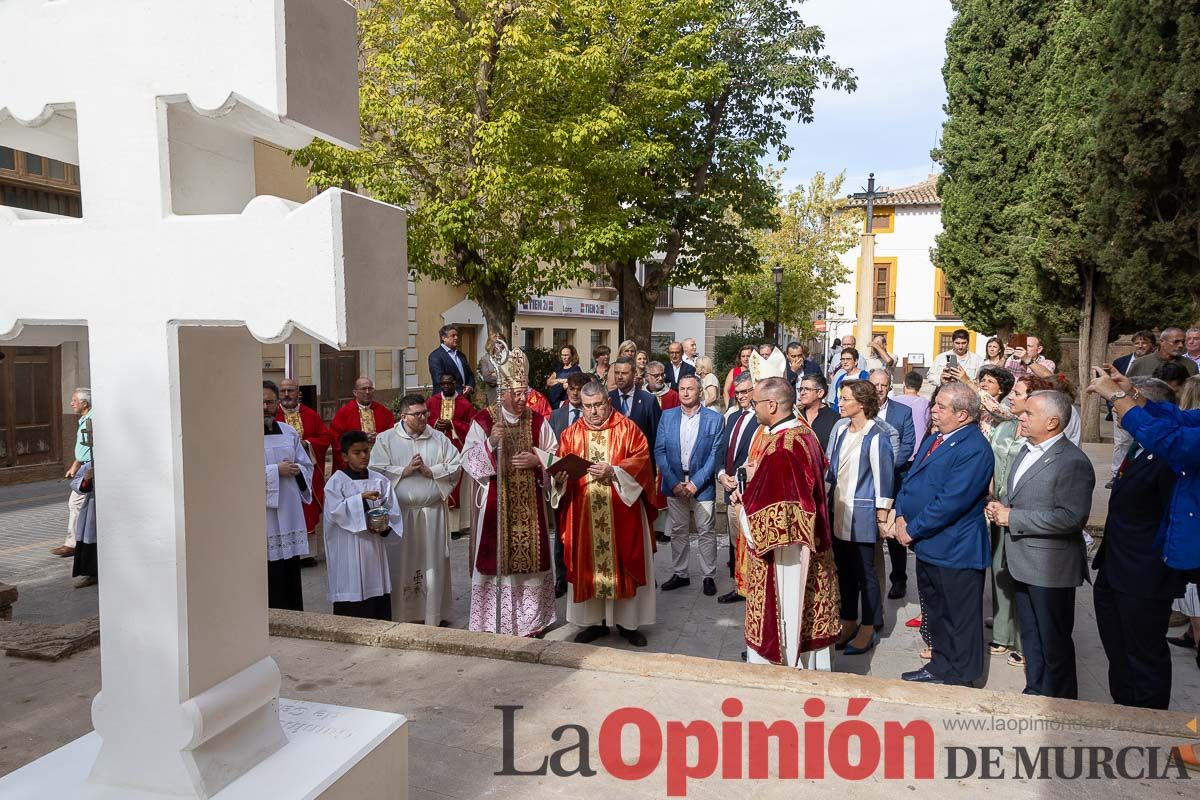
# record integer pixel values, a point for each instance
(695, 95)
(1145, 190)
(811, 229)
(461, 118)
(994, 66)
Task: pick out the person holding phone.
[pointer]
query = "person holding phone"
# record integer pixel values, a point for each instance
(957, 362)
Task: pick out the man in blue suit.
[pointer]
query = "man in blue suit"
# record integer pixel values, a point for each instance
(904, 440)
(939, 514)
(685, 450)
(446, 357)
(639, 405)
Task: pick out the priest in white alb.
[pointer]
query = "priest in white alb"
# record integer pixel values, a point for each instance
(606, 521)
(423, 465)
(289, 476)
(512, 577)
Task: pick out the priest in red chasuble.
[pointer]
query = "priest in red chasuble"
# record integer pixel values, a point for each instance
(451, 413)
(360, 414)
(538, 402)
(605, 522)
(312, 430)
(792, 596)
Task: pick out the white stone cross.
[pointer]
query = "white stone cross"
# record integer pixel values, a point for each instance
(159, 102)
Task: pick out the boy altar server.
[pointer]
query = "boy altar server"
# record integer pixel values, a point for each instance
(356, 557)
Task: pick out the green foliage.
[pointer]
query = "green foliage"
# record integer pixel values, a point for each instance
(806, 237)
(1145, 190)
(728, 346)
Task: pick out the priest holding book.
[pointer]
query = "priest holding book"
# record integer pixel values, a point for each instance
(603, 483)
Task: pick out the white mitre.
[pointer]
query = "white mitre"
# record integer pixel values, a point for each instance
(774, 366)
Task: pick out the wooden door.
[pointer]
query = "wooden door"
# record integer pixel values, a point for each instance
(339, 370)
(30, 416)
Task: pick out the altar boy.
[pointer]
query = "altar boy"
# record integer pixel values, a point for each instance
(356, 558)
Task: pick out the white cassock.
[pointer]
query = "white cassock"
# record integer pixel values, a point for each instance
(791, 579)
(356, 559)
(526, 601)
(419, 561)
(287, 532)
(632, 612)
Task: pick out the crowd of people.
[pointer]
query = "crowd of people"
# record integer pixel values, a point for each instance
(829, 479)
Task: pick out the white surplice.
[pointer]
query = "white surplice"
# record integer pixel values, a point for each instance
(526, 601)
(287, 532)
(420, 560)
(631, 612)
(791, 564)
(356, 559)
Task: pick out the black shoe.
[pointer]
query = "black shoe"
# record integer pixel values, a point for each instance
(591, 634)
(674, 582)
(560, 589)
(710, 587)
(307, 561)
(898, 590)
(1182, 641)
(921, 675)
(635, 638)
(661, 537)
(732, 597)
(743, 655)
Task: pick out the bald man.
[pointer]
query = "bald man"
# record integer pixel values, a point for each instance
(362, 413)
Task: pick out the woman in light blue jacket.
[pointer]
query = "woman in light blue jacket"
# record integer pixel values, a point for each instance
(861, 483)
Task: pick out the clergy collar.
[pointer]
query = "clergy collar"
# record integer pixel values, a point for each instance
(274, 430)
(787, 422)
(354, 474)
(287, 410)
(404, 431)
(362, 407)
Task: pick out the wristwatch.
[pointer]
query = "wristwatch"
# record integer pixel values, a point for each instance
(1115, 396)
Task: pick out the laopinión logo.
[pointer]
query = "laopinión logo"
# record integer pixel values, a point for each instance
(736, 749)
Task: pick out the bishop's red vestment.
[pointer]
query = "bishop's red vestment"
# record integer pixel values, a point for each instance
(376, 419)
(460, 413)
(312, 430)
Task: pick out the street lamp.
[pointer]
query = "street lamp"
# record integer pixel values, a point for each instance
(777, 272)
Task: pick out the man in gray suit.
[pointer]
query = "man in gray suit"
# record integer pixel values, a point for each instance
(1049, 497)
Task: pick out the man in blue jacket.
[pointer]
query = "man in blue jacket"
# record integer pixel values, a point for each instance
(904, 439)
(685, 450)
(939, 514)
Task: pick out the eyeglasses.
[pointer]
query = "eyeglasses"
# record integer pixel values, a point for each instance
(740, 392)
(594, 406)
(416, 414)
(804, 389)
(754, 403)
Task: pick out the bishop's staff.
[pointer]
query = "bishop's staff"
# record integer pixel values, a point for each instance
(499, 354)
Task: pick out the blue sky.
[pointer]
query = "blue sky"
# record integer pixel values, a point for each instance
(892, 121)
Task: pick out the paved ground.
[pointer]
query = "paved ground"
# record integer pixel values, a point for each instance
(689, 623)
(456, 742)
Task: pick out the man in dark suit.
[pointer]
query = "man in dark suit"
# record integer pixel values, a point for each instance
(447, 358)
(740, 427)
(562, 418)
(904, 439)
(939, 514)
(1049, 497)
(1134, 588)
(637, 404)
(1144, 343)
(676, 368)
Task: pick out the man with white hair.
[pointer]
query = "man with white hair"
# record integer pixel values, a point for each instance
(939, 514)
(691, 351)
(81, 404)
(1049, 497)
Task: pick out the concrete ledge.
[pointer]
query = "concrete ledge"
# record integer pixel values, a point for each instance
(1075, 713)
(42, 642)
(8, 598)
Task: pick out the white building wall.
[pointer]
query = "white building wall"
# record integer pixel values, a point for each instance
(914, 231)
(685, 318)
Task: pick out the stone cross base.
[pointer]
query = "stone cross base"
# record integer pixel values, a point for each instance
(332, 753)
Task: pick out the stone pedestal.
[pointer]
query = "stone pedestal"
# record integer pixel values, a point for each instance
(332, 753)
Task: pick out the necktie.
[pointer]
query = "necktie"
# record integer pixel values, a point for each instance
(937, 442)
(625, 404)
(1130, 455)
(733, 440)
(574, 415)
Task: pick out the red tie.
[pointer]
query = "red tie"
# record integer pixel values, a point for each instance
(937, 442)
(733, 439)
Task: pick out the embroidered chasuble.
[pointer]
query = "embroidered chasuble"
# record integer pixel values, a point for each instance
(787, 522)
(605, 538)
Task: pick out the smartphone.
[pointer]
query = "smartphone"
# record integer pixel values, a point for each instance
(952, 360)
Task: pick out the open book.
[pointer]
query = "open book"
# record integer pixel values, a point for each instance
(572, 465)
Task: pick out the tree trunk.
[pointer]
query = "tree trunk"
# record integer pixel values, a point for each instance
(1095, 319)
(770, 334)
(498, 311)
(638, 300)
